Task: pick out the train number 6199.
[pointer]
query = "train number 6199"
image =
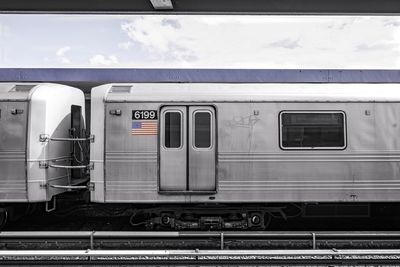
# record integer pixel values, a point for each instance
(144, 114)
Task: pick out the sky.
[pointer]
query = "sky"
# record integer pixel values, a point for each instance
(199, 41)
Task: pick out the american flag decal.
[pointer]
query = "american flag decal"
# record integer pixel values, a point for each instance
(145, 127)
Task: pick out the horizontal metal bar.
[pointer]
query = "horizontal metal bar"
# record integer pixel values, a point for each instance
(236, 234)
(68, 167)
(61, 159)
(70, 186)
(46, 234)
(69, 139)
(199, 253)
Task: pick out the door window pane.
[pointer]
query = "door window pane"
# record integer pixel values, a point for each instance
(172, 125)
(313, 130)
(202, 129)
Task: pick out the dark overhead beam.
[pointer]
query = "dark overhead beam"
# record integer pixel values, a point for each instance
(205, 6)
(86, 79)
(100, 76)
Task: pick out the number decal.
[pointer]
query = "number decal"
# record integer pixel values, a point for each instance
(144, 114)
(136, 115)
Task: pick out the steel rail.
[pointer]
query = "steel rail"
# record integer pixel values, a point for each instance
(204, 253)
(199, 256)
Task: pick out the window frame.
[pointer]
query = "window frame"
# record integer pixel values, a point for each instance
(194, 129)
(308, 112)
(181, 129)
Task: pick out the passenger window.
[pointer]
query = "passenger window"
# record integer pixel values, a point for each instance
(308, 130)
(202, 129)
(172, 127)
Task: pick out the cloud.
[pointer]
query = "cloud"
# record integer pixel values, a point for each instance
(103, 60)
(162, 38)
(171, 22)
(376, 46)
(340, 25)
(203, 41)
(243, 20)
(61, 51)
(285, 43)
(260, 42)
(61, 55)
(150, 32)
(392, 23)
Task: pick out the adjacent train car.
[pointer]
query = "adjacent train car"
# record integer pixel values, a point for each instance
(244, 146)
(32, 118)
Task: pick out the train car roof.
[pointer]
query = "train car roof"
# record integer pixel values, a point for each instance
(223, 92)
(16, 91)
(24, 91)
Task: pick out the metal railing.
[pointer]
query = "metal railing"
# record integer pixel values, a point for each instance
(222, 237)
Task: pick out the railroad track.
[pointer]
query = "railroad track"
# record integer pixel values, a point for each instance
(203, 257)
(205, 248)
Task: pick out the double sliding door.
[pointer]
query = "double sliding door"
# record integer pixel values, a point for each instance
(187, 149)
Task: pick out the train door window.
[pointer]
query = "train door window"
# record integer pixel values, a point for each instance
(202, 129)
(76, 132)
(313, 130)
(173, 129)
(76, 120)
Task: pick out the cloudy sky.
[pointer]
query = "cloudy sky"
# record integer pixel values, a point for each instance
(166, 41)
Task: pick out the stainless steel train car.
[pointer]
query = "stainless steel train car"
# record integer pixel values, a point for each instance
(243, 146)
(32, 118)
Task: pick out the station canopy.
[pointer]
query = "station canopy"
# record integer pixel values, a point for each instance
(203, 6)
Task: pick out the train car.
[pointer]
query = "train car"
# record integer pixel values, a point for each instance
(35, 123)
(191, 148)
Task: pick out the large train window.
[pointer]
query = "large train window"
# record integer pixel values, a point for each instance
(173, 128)
(202, 129)
(312, 130)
